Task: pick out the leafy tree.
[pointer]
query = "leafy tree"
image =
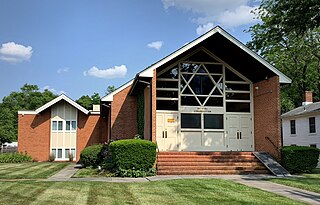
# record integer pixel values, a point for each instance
(110, 89)
(87, 102)
(28, 98)
(288, 37)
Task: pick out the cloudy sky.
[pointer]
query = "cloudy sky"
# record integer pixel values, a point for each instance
(79, 47)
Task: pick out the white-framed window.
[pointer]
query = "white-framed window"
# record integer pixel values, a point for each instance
(57, 125)
(313, 145)
(292, 127)
(71, 125)
(312, 125)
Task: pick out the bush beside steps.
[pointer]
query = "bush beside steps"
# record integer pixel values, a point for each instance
(300, 159)
(123, 158)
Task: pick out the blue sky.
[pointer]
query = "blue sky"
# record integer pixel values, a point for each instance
(80, 47)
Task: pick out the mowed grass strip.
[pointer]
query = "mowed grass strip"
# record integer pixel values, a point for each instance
(34, 170)
(185, 191)
(309, 182)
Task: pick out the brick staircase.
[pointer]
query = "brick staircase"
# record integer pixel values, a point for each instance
(208, 163)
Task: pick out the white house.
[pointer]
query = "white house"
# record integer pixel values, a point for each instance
(301, 126)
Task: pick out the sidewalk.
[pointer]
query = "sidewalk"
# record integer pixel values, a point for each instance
(256, 181)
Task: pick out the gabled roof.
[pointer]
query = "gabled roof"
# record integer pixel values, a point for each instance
(54, 101)
(148, 72)
(303, 110)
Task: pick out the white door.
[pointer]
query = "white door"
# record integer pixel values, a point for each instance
(167, 131)
(239, 133)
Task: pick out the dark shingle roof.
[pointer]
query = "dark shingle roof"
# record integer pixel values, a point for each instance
(302, 110)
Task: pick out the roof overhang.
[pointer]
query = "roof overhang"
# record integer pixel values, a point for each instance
(148, 72)
(54, 101)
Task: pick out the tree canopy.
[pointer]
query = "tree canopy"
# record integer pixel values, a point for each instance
(87, 102)
(28, 98)
(289, 38)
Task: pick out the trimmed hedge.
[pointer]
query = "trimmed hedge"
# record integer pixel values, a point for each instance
(300, 159)
(91, 156)
(14, 158)
(133, 154)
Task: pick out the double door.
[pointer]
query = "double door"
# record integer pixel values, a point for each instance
(167, 131)
(239, 132)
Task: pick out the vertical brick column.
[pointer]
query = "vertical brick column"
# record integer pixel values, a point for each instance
(267, 128)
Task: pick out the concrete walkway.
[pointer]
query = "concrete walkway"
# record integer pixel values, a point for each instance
(257, 181)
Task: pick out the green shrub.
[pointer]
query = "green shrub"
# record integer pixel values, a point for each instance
(300, 159)
(14, 158)
(91, 156)
(133, 154)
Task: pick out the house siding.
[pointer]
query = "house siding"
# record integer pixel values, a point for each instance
(267, 116)
(34, 135)
(124, 115)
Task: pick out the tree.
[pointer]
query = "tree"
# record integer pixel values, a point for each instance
(288, 38)
(87, 102)
(110, 89)
(28, 98)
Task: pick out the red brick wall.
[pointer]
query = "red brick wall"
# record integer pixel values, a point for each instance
(267, 116)
(124, 115)
(34, 135)
(92, 129)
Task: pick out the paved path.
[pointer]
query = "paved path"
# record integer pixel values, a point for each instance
(256, 181)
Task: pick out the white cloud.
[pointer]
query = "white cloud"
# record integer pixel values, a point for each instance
(114, 72)
(156, 45)
(53, 90)
(12, 52)
(63, 70)
(241, 16)
(207, 13)
(202, 29)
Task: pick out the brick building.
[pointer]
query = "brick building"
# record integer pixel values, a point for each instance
(213, 94)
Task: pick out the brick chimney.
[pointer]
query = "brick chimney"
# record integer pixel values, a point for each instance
(307, 98)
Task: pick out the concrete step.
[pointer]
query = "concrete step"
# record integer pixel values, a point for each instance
(206, 157)
(210, 172)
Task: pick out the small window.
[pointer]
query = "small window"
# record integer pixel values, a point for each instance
(54, 125)
(313, 145)
(66, 153)
(312, 125)
(192, 121)
(59, 153)
(238, 107)
(60, 123)
(213, 121)
(73, 152)
(293, 145)
(293, 127)
(53, 151)
(73, 125)
(67, 125)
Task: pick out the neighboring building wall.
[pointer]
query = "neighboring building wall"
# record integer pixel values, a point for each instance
(267, 116)
(34, 135)
(302, 136)
(124, 115)
(92, 129)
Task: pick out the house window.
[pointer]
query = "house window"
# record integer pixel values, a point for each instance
(213, 121)
(293, 145)
(312, 125)
(293, 127)
(59, 154)
(54, 125)
(192, 121)
(60, 125)
(313, 145)
(73, 125)
(68, 125)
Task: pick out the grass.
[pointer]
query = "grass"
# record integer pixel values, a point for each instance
(310, 182)
(29, 170)
(184, 191)
(91, 172)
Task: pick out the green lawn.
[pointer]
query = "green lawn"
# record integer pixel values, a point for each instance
(310, 182)
(29, 170)
(186, 191)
